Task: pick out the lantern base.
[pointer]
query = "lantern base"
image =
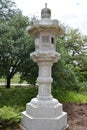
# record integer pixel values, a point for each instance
(31, 123)
(40, 116)
(22, 128)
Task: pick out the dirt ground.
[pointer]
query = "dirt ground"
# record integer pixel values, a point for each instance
(77, 116)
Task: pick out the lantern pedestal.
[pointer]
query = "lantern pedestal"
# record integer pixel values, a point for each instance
(44, 112)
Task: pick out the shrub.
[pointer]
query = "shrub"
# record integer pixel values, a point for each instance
(8, 117)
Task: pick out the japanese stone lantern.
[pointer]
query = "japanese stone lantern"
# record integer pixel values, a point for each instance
(44, 112)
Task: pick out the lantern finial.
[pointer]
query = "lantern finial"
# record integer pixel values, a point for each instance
(45, 12)
(45, 5)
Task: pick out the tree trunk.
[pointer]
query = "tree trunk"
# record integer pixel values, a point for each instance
(8, 82)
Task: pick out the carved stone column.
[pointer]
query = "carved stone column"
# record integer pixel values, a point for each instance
(44, 112)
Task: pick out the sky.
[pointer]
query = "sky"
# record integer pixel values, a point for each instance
(70, 12)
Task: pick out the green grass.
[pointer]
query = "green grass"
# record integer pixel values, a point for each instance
(66, 96)
(13, 102)
(18, 97)
(15, 79)
(2, 80)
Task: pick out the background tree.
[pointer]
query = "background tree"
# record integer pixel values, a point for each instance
(7, 9)
(77, 49)
(64, 73)
(68, 71)
(15, 43)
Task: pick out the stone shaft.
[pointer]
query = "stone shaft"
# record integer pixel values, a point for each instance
(44, 79)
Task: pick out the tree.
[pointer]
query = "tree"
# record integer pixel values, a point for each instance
(64, 74)
(29, 71)
(75, 43)
(15, 45)
(7, 9)
(68, 71)
(77, 49)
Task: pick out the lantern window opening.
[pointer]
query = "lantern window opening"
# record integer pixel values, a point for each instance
(52, 40)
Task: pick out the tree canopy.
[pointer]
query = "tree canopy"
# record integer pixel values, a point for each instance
(15, 43)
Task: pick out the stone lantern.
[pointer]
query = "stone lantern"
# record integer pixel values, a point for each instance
(44, 112)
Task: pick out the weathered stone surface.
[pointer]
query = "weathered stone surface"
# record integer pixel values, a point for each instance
(44, 112)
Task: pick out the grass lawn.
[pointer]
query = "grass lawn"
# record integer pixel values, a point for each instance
(15, 79)
(13, 102)
(18, 97)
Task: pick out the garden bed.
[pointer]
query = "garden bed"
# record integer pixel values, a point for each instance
(77, 116)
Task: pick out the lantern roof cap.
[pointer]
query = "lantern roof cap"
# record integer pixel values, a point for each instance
(45, 24)
(45, 12)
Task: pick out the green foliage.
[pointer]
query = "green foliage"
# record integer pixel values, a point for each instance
(16, 97)
(83, 88)
(29, 72)
(76, 46)
(9, 116)
(64, 73)
(71, 68)
(65, 77)
(15, 45)
(7, 9)
(66, 96)
(83, 68)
